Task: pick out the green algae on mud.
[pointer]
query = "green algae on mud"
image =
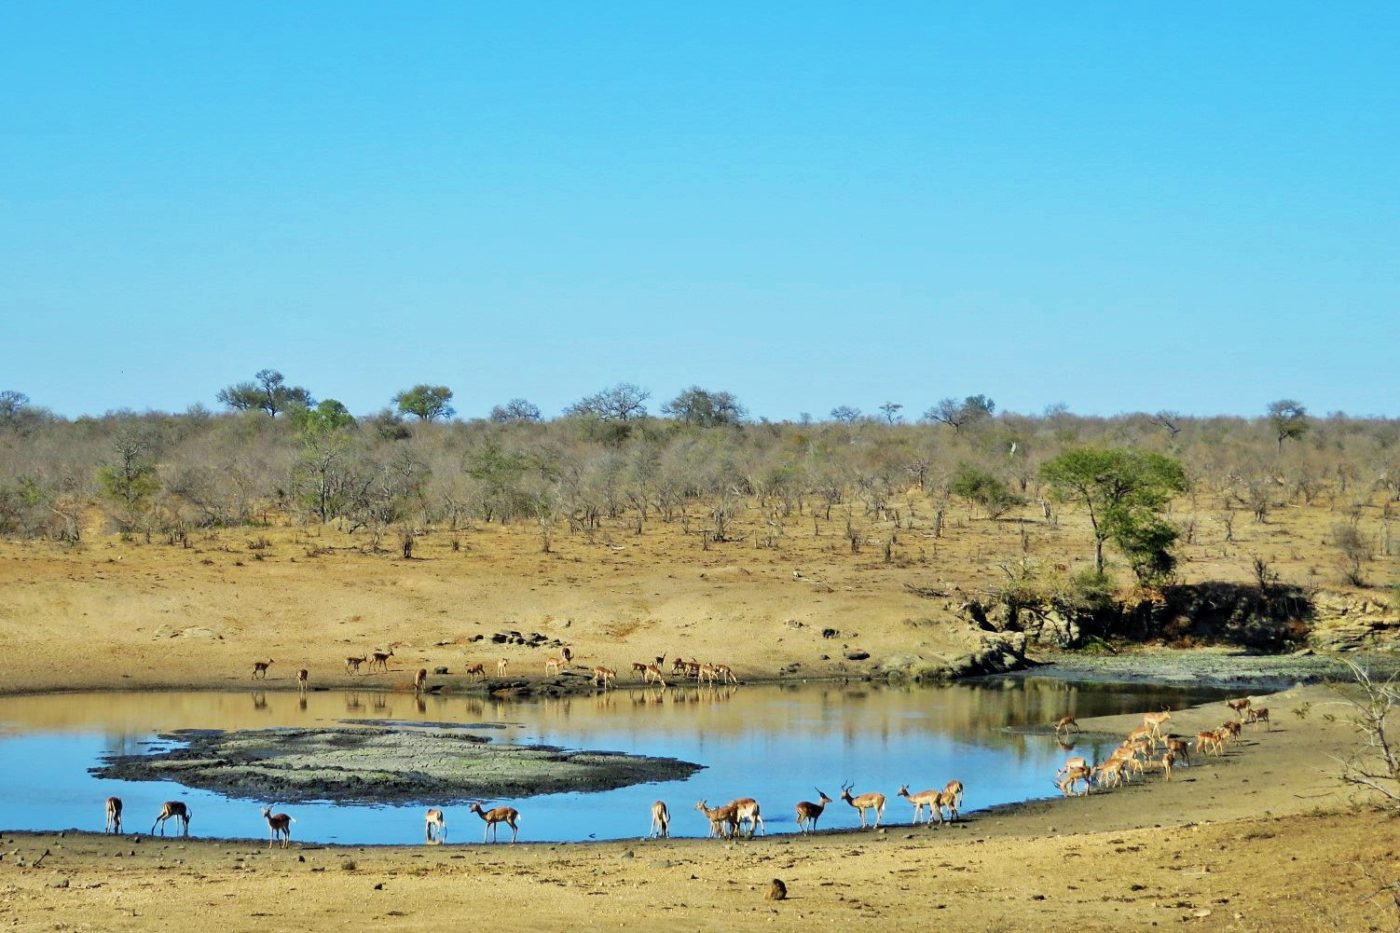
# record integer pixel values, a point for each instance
(382, 765)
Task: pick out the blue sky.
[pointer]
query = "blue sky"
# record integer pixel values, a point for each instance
(1116, 207)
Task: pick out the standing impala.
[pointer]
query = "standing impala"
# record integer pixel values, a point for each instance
(808, 812)
(660, 820)
(746, 810)
(278, 824)
(871, 801)
(952, 798)
(724, 821)
(933, 799)
(496, 816)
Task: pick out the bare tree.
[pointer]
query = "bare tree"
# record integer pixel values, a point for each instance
(1375, 765)
(516, 411)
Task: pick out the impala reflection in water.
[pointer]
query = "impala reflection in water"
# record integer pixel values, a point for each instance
(776, 744)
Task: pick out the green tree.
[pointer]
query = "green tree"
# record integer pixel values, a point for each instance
(426, 402)
(1289, 420)
(1123, 490)
(696, 406)
(322, 477)
(268, 391)
(129, 481)
(327, 417)
(984, 489)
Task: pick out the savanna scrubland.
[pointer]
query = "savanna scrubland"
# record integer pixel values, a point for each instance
(155, 550)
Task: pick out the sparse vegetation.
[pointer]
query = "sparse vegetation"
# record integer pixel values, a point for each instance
(1374, 712)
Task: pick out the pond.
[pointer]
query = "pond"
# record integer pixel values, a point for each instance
(774, 743)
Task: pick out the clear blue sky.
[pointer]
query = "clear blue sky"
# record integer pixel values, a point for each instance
(1112, 206)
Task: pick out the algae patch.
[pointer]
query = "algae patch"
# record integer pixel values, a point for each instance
(382, 765)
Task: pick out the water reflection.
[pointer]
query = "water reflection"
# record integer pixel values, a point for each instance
(773, 743)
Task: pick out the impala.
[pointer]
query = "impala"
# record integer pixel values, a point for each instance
(1071, 777)
(173, 809)
(871, 801)
(380, 659)
(747, 810)
(114, 815)
(724, 821)
(808, 812)
(278, 824)
(433, 820)
(924, 798)
(260, 669)
(660, 820)
(1154, 722)
(494, 817)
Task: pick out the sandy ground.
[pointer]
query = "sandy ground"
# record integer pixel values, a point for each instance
(113, 614)
(1262, 839)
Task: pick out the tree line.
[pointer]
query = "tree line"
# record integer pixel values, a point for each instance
(279, 453)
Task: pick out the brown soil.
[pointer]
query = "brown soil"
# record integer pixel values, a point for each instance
(1263, 839)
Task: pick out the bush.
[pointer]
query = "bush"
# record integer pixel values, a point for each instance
(985, 490)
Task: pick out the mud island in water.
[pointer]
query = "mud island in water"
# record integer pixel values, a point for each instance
(383, 765)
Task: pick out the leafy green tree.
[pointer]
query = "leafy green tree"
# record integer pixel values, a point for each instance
(129, 481)
(516, 411)
(891, 411)
(327, 417)
(1289, 419)
(268, 391)
(956, 414)
(984, 489)
(701, 408)
(1123, 490)
(427, 403)
(323, 476)
(1146, 540)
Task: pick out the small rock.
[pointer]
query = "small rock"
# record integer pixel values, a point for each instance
(60, 883)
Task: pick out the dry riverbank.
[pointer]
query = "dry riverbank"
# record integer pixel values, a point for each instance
(1263, 839)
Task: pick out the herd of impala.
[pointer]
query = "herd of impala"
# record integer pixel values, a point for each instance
(1147, 746)
(725, 822)
(650, 673)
